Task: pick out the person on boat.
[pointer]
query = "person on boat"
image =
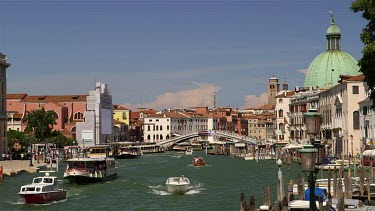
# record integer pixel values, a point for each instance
(182, 179)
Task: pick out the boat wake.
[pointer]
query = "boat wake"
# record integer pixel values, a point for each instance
(194, 189)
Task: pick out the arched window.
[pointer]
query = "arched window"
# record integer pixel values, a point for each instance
(161, 127)
(281, 113)
(356, 120)
(167, 127)
(148, 127)
(78, 115)
(148, 137)
(161, 137)
(157, 127)
(167, 137)
(281, 126)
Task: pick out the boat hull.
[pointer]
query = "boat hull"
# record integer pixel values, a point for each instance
(43, 198)
(177, 189)
(85, 179)
(199, 164)
(128, 156)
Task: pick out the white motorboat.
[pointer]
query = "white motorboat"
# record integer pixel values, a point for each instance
(43, 190)
(177, 185)
(189, 152)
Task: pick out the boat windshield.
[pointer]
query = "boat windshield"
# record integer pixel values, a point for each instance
(48, 180)
(38, 180)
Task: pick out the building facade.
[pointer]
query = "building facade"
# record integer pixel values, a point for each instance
(98, 124)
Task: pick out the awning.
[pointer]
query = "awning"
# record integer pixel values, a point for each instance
(240, 145)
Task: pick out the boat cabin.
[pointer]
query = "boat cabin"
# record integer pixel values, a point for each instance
(100, 151)
(42, 184)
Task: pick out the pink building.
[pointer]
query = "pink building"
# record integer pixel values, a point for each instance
(69, 110)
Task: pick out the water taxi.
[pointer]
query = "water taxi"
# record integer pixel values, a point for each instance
(177, 185)
(126, 150)
(88, 170)
(198, 161)
(43, 190)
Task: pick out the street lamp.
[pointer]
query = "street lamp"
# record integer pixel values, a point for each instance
(280, 188)
(312, 155)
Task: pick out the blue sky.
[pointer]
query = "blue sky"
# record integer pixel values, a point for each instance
(168, 54)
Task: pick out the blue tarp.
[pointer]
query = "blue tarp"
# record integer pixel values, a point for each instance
(318, 193)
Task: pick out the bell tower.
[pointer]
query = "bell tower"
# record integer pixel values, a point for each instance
(273, 89)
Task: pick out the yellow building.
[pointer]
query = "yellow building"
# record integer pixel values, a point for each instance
(3, 97)
(122, 115)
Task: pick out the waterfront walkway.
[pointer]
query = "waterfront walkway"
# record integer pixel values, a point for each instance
(17, 166)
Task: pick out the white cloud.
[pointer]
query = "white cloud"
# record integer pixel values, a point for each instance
(252, 101)
(303, 71)
(201, 95)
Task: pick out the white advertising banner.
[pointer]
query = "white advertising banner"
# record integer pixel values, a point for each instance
(87, 135)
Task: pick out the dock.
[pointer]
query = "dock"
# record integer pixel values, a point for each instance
(15, 167)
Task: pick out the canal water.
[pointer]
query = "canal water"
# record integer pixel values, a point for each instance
(141, 185)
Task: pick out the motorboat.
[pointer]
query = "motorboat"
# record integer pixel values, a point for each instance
(335, 163)
(198, 161)
(43, 190)
(189, 152)
(88, 170)
(177, 185)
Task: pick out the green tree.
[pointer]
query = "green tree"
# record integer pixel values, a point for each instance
(367, 62)
(40, 123)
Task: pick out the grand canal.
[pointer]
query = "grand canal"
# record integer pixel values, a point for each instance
(141, 185)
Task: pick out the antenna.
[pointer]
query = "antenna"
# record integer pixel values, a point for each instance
(214, 100)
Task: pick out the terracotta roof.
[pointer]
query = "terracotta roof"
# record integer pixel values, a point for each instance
(267, 107)
(54, 98)
(288, 94)
(119, 107)
(168, 115)
(135, 115)
(357, 78)
(19, 96)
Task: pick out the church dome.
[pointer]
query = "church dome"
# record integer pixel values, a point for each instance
(333, 29)
(325, 70)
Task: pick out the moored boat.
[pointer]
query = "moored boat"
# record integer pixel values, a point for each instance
(198, 161)
(88, 170)
(177, 185)
(43, 190)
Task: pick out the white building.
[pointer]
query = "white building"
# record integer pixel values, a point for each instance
(281, 112)
(341, 118)
(367, 122)
(164, 126)
(98, 124)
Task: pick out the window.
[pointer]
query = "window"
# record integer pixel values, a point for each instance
(355, 120)
(78, 115)
(148, 127)
(355, 89)
(364, 110)
(280, 100)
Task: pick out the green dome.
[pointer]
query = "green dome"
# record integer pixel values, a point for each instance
(320, 70)
(325, 70)
(333, 29)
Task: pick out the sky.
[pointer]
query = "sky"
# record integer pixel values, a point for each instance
(168, 54)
